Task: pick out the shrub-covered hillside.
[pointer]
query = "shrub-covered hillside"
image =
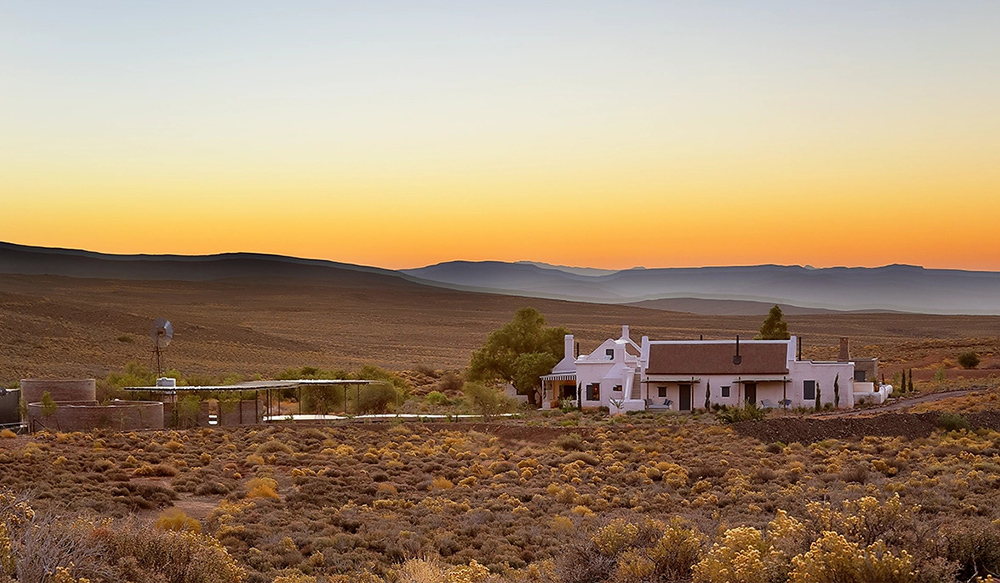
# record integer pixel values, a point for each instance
(662, 500)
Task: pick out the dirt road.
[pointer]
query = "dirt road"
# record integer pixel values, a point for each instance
(898, 404)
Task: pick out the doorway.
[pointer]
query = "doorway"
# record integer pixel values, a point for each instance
(684, 397)
(750, 393)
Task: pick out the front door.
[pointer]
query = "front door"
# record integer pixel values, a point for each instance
(750, 393)
(685, 397)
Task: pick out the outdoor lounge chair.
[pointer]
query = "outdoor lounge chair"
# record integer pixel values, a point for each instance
(658, 403)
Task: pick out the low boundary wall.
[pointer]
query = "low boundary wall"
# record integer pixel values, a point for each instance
(87, 415)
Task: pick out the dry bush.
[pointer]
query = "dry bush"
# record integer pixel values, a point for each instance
(177, 519)
(262, 488)
(143, 554)
(165, 470)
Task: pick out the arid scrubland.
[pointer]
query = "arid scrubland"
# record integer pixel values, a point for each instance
(662, 498)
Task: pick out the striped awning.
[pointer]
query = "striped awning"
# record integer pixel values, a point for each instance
(764, 380)
(560, 377)
(671, 379)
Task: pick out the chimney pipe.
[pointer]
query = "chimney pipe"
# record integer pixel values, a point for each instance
(845, 349)
(577, 355)
(798, 341)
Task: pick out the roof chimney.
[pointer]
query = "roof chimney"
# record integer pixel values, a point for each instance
(567, 345)
(625, 332)
(845, 349)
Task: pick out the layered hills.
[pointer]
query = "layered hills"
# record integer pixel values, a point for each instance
(75, 313)
(743, 289)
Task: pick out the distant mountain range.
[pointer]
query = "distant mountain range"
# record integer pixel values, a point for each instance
(901, 288)
(748, 290)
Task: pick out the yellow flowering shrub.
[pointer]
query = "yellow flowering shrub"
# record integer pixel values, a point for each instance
(741, 555)
(833, 559)
(615, 537)
(14, 514)
(677, 550)
(633, 566)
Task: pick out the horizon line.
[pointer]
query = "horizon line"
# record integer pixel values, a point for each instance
(530, 262)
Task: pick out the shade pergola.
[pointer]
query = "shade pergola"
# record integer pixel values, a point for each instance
(256, 387)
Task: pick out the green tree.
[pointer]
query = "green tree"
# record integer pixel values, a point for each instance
(518, 353)
(774, 326)
(708, 395)
(836, 391)
(819, 404)
(910, 387)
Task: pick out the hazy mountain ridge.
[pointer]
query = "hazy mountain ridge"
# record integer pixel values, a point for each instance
(740, 290)
(27, 260)
(904, 288)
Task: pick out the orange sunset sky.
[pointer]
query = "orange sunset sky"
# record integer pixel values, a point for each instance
(605, 134)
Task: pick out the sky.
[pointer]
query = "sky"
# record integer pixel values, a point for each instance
(603, 134)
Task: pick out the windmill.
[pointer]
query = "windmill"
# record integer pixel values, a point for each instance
(162, 332)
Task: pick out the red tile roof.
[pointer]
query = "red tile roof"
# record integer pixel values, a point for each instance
(699, 358)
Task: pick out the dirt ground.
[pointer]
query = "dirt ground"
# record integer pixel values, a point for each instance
(812, 429)
(58, 327)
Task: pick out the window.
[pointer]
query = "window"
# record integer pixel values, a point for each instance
(859, 376)
(611, 353)
(725, 391)
(661, 391)
(809, 390)
(594, 392)
(617, 388)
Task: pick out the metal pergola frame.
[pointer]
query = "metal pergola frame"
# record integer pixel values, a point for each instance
(257, 387)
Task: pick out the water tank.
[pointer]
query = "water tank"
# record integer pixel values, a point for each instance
(10, 408)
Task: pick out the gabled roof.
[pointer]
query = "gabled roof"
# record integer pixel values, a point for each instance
(716, 357)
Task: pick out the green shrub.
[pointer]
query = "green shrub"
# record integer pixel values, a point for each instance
(968, 359)
(437, 398)
(187, 410)
(322, 400)
(751, 412)
(953, 422)
(379, 397)
(487, 401)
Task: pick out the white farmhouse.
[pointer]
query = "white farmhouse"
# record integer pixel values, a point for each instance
(680, 375)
